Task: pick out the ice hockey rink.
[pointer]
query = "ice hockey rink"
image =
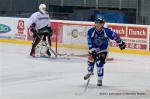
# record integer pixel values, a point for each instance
(24, 77)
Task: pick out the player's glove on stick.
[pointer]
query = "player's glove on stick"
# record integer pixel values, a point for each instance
(95, 55)
(122, 45)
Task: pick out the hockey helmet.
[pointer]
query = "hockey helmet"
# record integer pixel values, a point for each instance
(42, 8)
(99, 19)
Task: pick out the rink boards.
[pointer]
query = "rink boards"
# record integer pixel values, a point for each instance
(128, 51)
(73, 34)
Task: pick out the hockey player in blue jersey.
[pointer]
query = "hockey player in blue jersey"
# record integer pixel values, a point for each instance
(98, 42)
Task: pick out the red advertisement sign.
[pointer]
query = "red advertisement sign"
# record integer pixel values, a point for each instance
(135, 37)
(20, 34)
(20, 26)
(137, 46)
(132, 45)
(121, 30)
(137, 32)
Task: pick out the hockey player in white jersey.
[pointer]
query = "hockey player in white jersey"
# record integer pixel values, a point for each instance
(39, 23)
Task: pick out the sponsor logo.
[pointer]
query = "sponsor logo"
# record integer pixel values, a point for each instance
(74, 33)
(121, 30)
(20, 26)
(137, 32)
(20, 34)
(4, 28)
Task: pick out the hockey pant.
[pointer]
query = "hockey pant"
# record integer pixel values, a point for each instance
(99, 64)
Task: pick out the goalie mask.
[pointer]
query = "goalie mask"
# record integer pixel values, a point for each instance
(42, 8)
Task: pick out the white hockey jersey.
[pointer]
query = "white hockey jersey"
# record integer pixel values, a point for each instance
(41, 20)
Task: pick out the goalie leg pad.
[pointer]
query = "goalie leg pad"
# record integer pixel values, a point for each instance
(44, 47)
(34, 44)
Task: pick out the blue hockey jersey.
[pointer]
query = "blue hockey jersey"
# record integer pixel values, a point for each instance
(100, 39)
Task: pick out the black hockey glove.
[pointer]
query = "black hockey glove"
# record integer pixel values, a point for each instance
(99, 56)
(32, 28)
(95, 55)
(122, 45)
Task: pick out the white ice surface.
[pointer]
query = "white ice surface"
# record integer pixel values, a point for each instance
(24, 77)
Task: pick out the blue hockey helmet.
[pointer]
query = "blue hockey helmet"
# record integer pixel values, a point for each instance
(99, 19)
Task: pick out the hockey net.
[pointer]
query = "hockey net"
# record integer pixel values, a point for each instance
(70, 38)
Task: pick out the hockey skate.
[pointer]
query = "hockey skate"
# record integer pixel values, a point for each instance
(99, 83)
(87, 76)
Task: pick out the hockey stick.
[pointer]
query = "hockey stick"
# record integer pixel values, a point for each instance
(87, 84)
(86, 55)
(51, 50)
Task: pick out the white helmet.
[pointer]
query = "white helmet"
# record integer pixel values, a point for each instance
(42, 8)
